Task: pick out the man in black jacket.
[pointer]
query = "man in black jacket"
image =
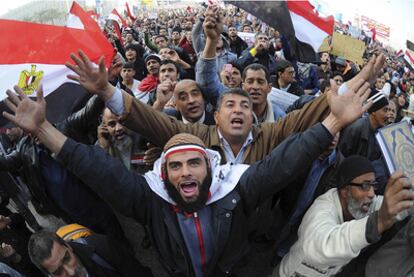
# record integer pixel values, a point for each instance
(197, 209)
(237, 45)
(56, 191)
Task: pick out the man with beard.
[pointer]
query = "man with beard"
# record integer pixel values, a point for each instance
(197, 208)
(237, 45)
(345, 220)
(95, 255)
(259, 53)
(121, 143)
(149, 83)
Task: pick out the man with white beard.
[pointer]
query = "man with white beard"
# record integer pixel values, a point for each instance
(121, 142)
(344, 220)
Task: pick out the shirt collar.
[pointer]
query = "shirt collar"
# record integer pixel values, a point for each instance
(223, 140)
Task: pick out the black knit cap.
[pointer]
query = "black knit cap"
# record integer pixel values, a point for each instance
(352, 167)
(382, 102)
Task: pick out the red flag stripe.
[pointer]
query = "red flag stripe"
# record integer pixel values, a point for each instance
(48, 44)
(86, 19)
(306, 10)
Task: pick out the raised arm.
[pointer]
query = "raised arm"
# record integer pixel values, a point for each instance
(206, 67)
(316, 110)
(265, 178)
(113, 182)
(141, 118)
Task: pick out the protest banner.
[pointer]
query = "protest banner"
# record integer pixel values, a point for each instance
(247, 37)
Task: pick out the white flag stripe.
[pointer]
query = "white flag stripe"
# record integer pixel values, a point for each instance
(307, 32)
(74, 22)
(53, 76)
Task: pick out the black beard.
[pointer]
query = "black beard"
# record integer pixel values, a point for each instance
(193, 206)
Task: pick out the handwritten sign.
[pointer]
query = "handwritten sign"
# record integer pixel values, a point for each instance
(347, 47)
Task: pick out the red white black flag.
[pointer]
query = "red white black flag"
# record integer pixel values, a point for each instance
(297, 20)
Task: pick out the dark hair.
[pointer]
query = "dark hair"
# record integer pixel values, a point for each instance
(336, 73)
(324, 84)
(256, 67)
(281, 66)
(236, 91)
(40, 246)
(164, 62)
(129, 65)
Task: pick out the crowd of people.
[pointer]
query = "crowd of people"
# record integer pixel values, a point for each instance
(181, 134)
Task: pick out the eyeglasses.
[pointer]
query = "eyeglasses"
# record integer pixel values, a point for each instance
(366, 186)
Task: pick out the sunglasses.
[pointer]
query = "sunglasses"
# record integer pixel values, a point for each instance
(365, 186)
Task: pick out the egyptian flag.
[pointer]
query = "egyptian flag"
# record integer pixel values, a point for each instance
(115, 18)
(409, 59)
(133, 18)
(39, 57)
(296, 20)
(410, 45)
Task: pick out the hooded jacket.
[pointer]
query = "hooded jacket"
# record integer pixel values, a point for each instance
(236, 191)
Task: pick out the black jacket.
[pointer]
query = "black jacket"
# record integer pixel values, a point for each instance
(237, 46)
(130, 195)
(264, 59)
(114, 259)
(80, 126)
(359, 139)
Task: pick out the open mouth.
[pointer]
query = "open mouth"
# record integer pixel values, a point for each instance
(189, 189)
(236, 122)
(119, 136)
(365, 207)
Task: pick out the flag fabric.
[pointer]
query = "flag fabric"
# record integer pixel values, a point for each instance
(374, 33)
(296, 20)
(133, 18)
(80, 19)
(409, 59)
(117, 17)
(400, 53)
(39, 57)
(410, 45)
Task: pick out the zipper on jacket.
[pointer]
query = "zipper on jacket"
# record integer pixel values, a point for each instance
(200, 242)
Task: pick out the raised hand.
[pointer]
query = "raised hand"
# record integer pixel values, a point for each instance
(348, 107)
(94, 79)
(398, 197)
(213, 22)
(28, 114)
(370, 71)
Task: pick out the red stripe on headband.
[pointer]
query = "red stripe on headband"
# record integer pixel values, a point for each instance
(185, 150)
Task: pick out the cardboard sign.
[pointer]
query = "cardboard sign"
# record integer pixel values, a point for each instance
(325, 47)
(347, 47)
(281, 98)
